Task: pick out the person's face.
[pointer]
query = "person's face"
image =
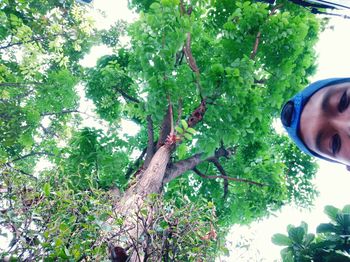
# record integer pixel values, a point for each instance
(325, 123)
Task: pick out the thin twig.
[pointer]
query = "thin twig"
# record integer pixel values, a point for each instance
(196, 170)
(29, 155)
(67, 111)
(258, 36)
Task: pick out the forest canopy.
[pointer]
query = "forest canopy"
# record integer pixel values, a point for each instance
(202, 80)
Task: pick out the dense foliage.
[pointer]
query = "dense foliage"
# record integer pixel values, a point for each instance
(218, 70)
(330, 244)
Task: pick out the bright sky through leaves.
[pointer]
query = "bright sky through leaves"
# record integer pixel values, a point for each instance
(332, 180)
(206, 65)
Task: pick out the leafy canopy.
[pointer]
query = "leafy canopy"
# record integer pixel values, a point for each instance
(226, 67)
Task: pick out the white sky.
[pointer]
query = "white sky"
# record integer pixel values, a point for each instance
(332, 180)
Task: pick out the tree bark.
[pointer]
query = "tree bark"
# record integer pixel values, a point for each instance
(150, 181)
(150, 145)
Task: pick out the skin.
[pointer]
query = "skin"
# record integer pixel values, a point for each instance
(325, 123)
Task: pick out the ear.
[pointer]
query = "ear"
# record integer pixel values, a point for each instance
(348, 168)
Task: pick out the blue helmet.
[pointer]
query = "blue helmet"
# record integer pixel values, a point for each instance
(291, 111)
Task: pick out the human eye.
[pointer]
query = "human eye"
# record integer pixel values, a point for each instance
(335, 144)
(343, 102)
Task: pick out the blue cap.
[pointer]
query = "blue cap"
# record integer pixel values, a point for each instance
(291, 111)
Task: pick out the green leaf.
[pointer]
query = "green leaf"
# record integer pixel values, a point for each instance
(281, 240)
(304, 226)
(296, 234)
(155, 6)
(325, 228)
(225, 251)
(191, 130)
(47, 189)
(164, 225)
(27, 140)
(346, 209)
(181, 150)
(331, 212)
(33, 116)
(188, 136)
(308, 239)
(63, 227)
(179, 129)
(184, 124)
(287, 255)
(66, 251)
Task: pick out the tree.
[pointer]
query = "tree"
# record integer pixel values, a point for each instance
(330, 244)
(202, 80)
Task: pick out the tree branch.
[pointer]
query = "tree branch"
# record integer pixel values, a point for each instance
(68, 111)
(216, 162)
(126, 96)
(20, 171)
(29, 155)
(260, 81)
(175, 170)
(255, 47)
(21, 85)
(182, 8)
(258, 36)
(166, 127)
(192, 62)
(187, 50)
(197, 114)
(33, 39)
(47, 131)
(228, 178)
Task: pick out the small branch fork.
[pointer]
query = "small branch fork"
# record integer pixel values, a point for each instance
(166, 134)
(175, 170)
(258, 36)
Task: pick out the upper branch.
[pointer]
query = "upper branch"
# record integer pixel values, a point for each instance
(19, 85)
(197, 114)
(33, 39)
(177, 169)
(228, 178)
(258, 36)
(68, 111)
(126, 96)
(20, 171)
(216, 162)
(187, 50)
(29, 155)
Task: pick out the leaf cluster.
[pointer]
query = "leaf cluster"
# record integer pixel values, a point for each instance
(330, 244)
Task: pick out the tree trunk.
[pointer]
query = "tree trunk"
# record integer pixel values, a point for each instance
(133, 199)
